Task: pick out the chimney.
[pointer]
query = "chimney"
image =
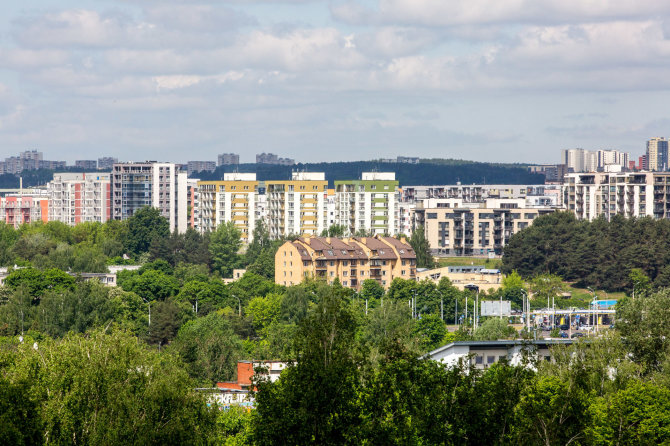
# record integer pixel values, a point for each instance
(328, 240)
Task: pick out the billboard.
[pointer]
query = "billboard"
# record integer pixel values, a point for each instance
(494, 307)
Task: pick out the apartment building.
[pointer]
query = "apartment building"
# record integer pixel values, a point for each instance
(368, 204)
(657, 154)
(456, 227)
(271, 158)
(200, 166)
(476, 193)
(350, 260)
(233, 199)
(630, 194)
(297, 206)
(79, 197)
(226, 159)
(24, 207)
(159, 185)
(107, 163)
(193, 207)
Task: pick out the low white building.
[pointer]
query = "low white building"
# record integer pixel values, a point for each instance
(483, 354)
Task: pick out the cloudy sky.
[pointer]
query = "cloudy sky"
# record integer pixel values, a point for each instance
(511, 80)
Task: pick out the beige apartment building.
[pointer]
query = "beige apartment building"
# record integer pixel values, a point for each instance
(79, 197)
(350, 260)
(233, 199)
(630, 194)
(298, 206)
(454, 227)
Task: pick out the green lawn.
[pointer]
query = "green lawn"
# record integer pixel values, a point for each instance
(458, 261)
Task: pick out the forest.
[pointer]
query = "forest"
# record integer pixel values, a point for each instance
(600, 253)
(83, 363)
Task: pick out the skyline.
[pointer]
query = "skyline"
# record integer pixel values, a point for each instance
(325, 81)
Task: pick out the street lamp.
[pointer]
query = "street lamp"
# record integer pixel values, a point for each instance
(441, 304)
(239, 303)
(475, 288)
(148, 302)
(526, 308)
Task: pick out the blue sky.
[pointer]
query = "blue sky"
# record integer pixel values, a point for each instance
(511, 81)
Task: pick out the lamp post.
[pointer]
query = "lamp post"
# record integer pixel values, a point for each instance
(475, 288)
(526, 309)
(148, 302)
(441, 304)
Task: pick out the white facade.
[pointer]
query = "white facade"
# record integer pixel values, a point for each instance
(159, 185)
(79, 197)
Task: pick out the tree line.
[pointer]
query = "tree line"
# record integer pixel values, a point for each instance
(599, 253)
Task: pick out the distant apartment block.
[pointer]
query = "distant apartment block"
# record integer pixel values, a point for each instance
(402, 160)
(79, 197)
(657, 154)
(368, 204)
(28, 160)
(456, 227)
(297, 206)
(548, 195)
(630, 194)
(580, 160)
(271, 158)
(27, 207)
(200, 166)
(349, 260)
(233, 199)
(553, 173)
(86, 164)
(193, 207)
(107, 162)
(159, 185)
(52, 165)
(227, 159)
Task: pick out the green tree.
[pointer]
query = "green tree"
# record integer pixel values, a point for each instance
(224, 246)
(260, 241)
(20, 423)
(493, 329)
(110, 389)
(419, 242)
(152, 285)
(335, 231)
(144, 226)
(209, 348)
(640, 282)
(372, 290)
(430, 330)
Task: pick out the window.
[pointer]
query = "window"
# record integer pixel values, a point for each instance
(332, 263)
(344, 273)
(431, 215)
(490, 359)
(331, 274)
(402, 272)
(345, 263)
(344, 283)
(479, 360)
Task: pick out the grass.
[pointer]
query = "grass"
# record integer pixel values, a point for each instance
(459, 261)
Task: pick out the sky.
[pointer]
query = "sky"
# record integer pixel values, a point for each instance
(484, 80)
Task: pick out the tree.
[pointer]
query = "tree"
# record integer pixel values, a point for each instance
(224, 245)
(640, 282)
(144, 226)
(260, 241)
(209, 349)
(110, 389)
(493, 329)
(371, 290)
(419, 242)
(20, 423)
(335, 231)
(430, 330)
(315, 399)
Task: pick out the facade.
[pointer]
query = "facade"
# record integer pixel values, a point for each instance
(227, 159)
(233, 199)
(159, 185)
(368, 204)
(475, 193)
(657, 154)
(350, 260)
(271, 158)
(79, 197)
(200, 166)
(580, 160)
(86, 164)
(454, 227)
(483, 354)
(17, 209)
(107, 162)
(461, 276)
(630, 194)
(193, 207)
(297, 206)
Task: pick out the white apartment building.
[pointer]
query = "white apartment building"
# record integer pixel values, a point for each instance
(79, 197)
(630, 194)
(368, 204)
(24, 206)
(455, 227)
(476, 193)
(580, 160)
(297, 206)
(233, 199)
(159, 185)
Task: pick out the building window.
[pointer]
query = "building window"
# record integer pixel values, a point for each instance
(344, 273)
(402, 272)
(332, 263)
(331, 274)
(344, 283)
(479, 360)
(490, 359)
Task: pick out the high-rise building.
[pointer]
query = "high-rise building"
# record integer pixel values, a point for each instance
(657, 154)
(86, 164)
(79, 197)
(271, 158)
(107, 162)
(159, 185)
(630, 194)
(233, 199)
(24, 207)
(227, 159)
(574, 159)
(297, 206)
(200, 166)
(368, 204)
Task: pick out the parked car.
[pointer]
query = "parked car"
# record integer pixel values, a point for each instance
(563, 334)
(564, 327)
(578, 335)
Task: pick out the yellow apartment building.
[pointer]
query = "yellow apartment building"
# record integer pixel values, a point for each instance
(350, 260)
(298, 206)
(233, 199)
